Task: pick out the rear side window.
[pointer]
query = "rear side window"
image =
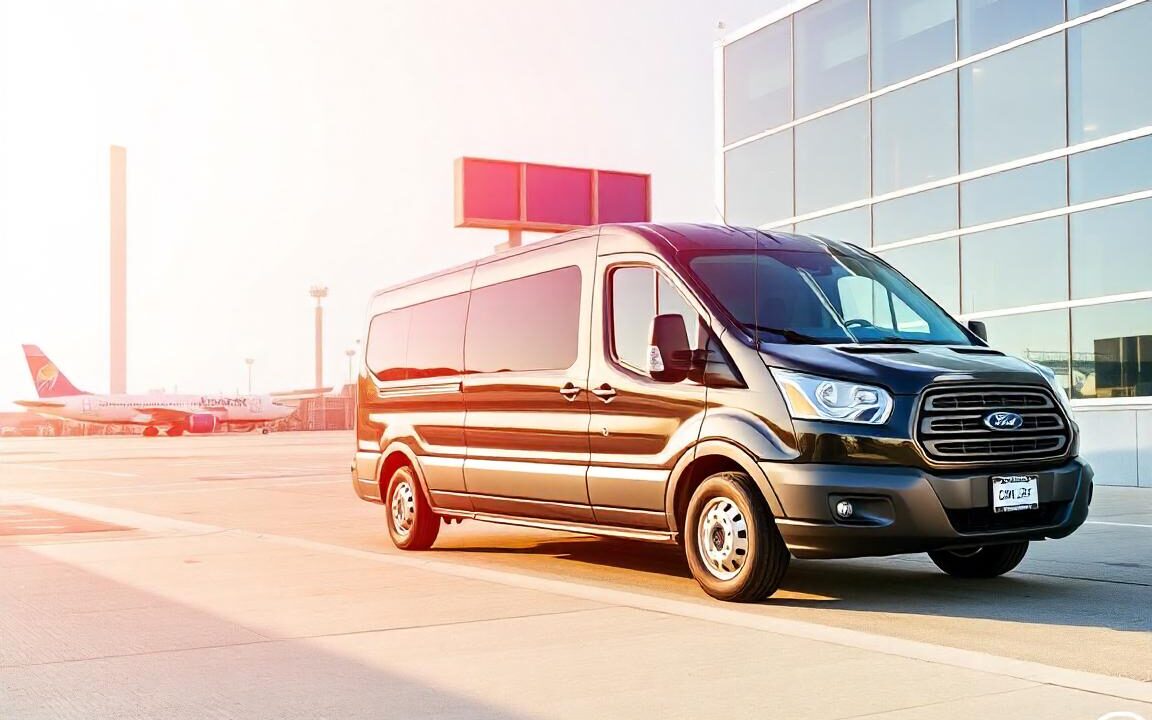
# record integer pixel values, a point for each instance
(419, 342)
(530, 323)
(436, 337)
(388, 345)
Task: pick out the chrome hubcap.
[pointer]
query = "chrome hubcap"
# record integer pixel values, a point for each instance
(403, 507)
(722, 538)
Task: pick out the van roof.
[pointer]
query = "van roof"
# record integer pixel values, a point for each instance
(705, 236)
(665, 237)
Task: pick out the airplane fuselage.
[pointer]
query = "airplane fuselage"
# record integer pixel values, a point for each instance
(160, 410)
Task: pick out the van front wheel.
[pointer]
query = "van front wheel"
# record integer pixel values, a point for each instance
(411, 522)
(986, 561)
(733, 547)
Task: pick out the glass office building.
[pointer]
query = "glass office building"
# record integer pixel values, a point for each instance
(998, 152)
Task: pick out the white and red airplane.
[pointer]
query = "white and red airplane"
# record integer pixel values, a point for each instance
(176, 414)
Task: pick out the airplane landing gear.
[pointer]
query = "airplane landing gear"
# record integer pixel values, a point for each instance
(264, 431)
(151, 431)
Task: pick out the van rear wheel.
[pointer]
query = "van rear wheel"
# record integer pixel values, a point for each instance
(733, 547)
(411, 522)
(986, 561)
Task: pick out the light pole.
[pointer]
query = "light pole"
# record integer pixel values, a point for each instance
(319, 292)
(351, 353)
(248, 362)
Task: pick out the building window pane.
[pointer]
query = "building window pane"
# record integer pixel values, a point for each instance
(1112, 349)
(987, 24)
(531, 323)
(1110, 171)
(831, 54)
(1112, 250)
(1076, 8)
(758, 81)
(1015, 266)
(934, 267)
(1109, 61)
(925, 213)
(854, 226)
(1030, 189)
(1040, 337)
(436, 337)
(758, 180)
(832, 159)
(1012, 104)
(911, 37)
(914, 134)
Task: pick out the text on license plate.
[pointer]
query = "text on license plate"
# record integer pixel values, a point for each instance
(1014, 492)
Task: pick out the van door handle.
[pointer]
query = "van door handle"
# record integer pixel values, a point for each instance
(569, 391)
(605, 392)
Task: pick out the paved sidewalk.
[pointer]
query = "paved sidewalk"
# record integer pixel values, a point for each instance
(175, 620)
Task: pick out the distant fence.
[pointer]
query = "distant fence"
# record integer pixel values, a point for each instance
(325, 413)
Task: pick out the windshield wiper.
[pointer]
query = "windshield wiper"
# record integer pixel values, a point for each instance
(790, 335)
(895, 340)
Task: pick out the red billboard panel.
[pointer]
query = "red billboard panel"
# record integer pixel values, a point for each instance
(622, 197)
(550, 198)
(496, 190)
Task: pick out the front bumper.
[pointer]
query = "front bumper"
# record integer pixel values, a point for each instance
(907, 510)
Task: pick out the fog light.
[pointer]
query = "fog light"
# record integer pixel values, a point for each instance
(844, 509)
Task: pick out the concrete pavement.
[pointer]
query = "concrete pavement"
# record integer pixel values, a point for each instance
(239, 578)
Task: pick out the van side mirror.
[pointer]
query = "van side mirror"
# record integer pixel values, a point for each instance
(979, 329)
(669, 355)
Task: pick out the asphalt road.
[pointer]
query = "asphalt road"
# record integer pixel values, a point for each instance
(1083, 603)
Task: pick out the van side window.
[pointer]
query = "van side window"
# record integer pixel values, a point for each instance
(530, 323)
(436, 337)
(637, 295)
(387, 345)
(419, 342)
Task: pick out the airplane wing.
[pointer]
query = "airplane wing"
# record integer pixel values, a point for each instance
(33, 404)
(173, 415)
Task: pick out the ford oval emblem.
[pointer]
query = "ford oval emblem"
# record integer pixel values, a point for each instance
(1003, 421)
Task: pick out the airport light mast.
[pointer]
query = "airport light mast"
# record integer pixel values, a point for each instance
(319, 292)
(248, 362)
(351, 353)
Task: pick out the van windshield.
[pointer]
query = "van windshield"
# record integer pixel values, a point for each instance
(794, 296)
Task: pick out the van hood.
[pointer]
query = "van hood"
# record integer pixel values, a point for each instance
(903, 369)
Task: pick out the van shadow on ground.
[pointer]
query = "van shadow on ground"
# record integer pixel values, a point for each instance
(902, 585)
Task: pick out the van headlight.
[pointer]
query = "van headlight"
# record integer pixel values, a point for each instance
(1050, 376)
(811, 397)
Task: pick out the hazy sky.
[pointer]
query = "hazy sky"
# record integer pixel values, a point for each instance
(277, 144)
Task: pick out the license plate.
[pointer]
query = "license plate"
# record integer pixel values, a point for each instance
(1014, 492)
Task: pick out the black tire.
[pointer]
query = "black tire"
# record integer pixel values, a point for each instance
(735, 504)
(987, 561)
(411, 522)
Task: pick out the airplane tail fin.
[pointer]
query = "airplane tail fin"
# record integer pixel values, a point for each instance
(50, 382)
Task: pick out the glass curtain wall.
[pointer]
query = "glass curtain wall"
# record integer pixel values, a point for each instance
(997, 152)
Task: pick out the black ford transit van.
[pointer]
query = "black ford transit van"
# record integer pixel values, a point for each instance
(752, 395)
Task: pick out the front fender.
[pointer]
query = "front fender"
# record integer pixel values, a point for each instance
(730, 451)
(754, 433)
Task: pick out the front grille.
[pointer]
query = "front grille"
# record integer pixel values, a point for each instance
(975, 520)
(950, 426)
